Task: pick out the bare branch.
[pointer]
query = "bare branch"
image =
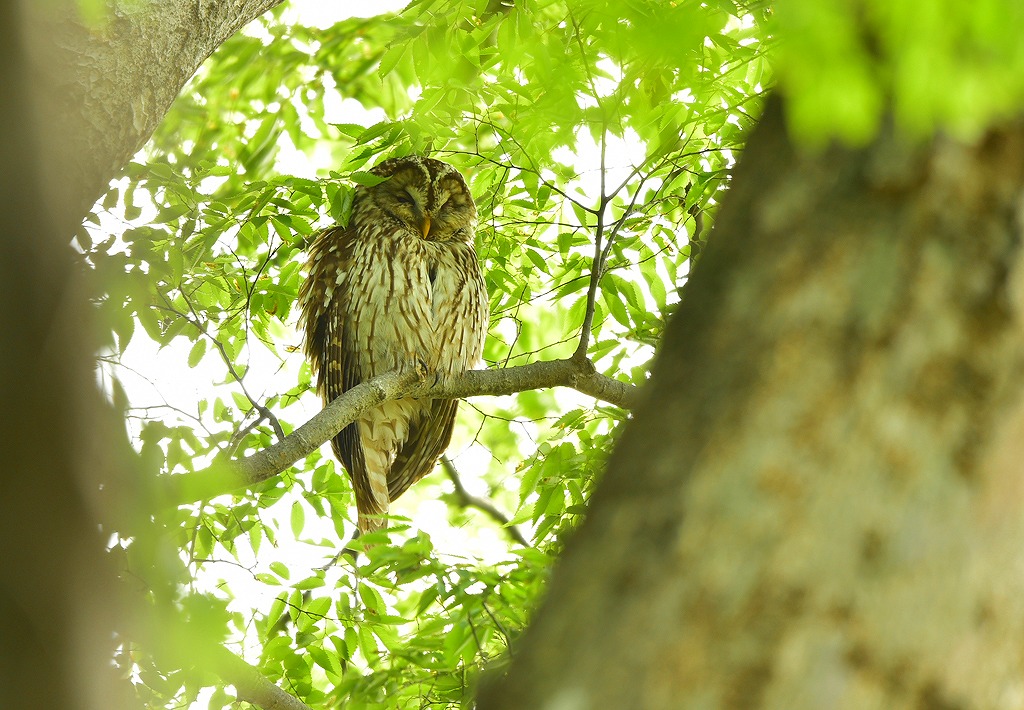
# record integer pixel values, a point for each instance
(262, 409)
(195, 322)
(597, 266)
(227, 476)
(252, 686)
(595, 278)
(469, 500)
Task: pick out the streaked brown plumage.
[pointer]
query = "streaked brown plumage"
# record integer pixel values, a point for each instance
(400, 285)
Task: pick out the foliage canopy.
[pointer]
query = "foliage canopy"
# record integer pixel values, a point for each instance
(594, 136)
(578, 125)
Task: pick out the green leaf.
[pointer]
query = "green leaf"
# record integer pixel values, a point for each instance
(367, 179)
(372, 600)
(352, 130)
(195, 355)
(618, 310)
(327, 661)
(391, 58)
(241, 401)
(311, 582)
(298, 519)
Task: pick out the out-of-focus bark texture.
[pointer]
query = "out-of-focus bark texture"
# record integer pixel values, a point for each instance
(109, 83)
(75, 103)
(57, 604)
(820, 503)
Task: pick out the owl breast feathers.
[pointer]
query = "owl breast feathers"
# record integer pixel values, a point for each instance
(400, 285)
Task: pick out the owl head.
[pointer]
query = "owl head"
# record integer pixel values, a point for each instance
(426, 196)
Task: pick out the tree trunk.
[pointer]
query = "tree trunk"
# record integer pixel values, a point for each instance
(69, 119)
(819, 503)
(110, 83)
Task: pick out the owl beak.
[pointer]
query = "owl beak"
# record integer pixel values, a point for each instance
(425, 228)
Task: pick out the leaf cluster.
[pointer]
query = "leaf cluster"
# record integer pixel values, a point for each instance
(596, 138)
(930, 64)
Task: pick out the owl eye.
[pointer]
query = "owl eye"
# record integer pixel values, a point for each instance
(405, 198)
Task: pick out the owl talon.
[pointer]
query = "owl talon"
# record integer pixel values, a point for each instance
(416, 365)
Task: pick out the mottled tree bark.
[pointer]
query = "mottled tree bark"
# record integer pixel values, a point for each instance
(109, 84)
(819, 503)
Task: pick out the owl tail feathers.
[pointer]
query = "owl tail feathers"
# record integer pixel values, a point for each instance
(369, 523)
(370, 481)
(373, 503)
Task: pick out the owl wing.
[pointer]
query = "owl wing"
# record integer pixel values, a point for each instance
(429, 435)
(325, 303)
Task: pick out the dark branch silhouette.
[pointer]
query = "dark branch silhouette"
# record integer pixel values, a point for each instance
(469, 500)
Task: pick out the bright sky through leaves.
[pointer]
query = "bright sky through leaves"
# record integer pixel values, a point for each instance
(569, 122)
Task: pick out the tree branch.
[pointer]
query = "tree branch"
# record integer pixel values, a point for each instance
(252, 686)
(188, 648)
(469, 500)
(596, 271)
(115, 84)
(196, 322)
(227, 476)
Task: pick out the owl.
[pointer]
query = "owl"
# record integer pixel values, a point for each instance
(399, 287)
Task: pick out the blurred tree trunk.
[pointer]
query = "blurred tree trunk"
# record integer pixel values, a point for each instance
(821, 502)
(110, 81)
(75, 104)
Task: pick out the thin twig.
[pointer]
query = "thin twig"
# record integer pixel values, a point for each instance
(596, 265)
(532, 170)
(264, 411)
(468, 500)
